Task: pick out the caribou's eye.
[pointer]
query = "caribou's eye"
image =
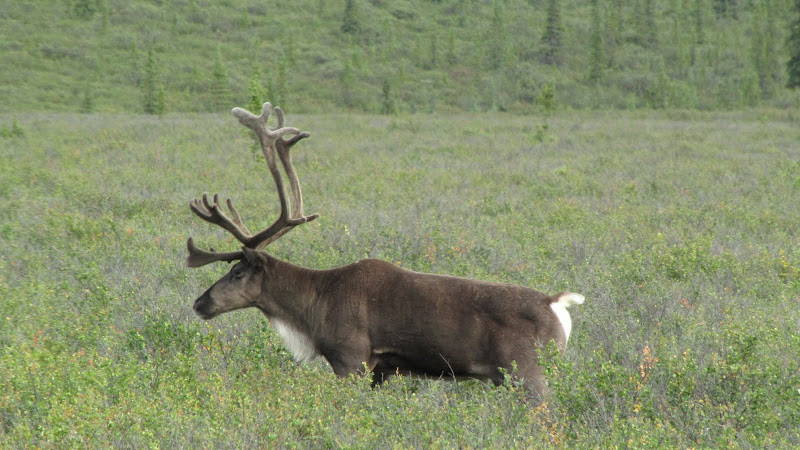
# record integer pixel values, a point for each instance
(237, 273)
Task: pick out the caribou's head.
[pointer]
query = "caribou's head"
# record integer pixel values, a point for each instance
(239, 288)
(246, 280)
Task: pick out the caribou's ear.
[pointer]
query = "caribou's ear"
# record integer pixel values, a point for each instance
(253, 257)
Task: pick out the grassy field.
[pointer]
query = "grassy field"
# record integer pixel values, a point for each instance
(680, 228)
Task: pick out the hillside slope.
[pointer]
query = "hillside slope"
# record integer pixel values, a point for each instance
(406, 55)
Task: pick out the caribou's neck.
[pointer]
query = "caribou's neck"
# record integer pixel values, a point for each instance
(288, 293)
(290, 302)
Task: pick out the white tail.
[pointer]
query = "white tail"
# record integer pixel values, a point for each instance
(560, 306)
(569, 298)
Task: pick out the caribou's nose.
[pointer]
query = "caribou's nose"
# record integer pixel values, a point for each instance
(202, 306)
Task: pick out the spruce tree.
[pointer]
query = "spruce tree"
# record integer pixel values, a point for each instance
(102, 5)
(793, 43)
(388, 103)
(348, 85)
(256, 96)
(596, 42)
(496, 38)
(152, 89)
(695, 14)
(646, 24)
(87, 102)
(614, 26)
(433, 60)
(699, 25)
(451, 48)
(551, 39)
(134, 58)
(281, 89)
(681, 42)
(350, 24)
(220, 88)
(85, 9)
(764, 45)
(773, 46)
(547, 100)
(256, 93)
(726, 8)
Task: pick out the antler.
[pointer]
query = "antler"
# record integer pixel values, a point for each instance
(272, 141)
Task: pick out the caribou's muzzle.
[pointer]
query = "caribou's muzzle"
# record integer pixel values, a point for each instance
(203, 306)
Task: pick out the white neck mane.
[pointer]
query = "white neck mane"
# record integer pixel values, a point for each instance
(298, 343)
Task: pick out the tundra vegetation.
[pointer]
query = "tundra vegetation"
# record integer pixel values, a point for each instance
(679, 227)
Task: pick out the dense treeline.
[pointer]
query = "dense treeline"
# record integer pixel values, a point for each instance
(385, 56)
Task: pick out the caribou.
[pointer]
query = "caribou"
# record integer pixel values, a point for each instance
(373, 316)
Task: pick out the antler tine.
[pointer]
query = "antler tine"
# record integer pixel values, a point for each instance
(259, 124)
(283, 146)
(198, 257)
(212, 213)
(251, 120)
(236, 218)
(278, 117)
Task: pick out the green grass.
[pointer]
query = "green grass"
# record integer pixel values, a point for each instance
(680, 228)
